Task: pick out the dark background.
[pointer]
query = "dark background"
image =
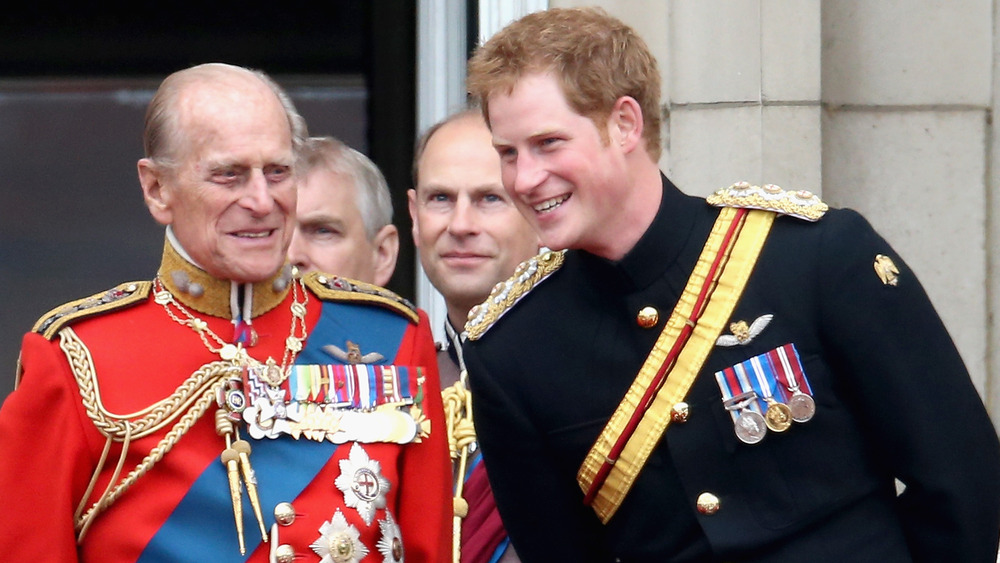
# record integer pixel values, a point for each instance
(74, 83)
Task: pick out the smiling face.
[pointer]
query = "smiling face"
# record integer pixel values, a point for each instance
(469, 233)
(570, 182)
(230, 198)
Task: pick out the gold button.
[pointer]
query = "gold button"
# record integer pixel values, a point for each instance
(284, 553)
(680, 412)
(708, 504)
(648, 317)
(284, 513)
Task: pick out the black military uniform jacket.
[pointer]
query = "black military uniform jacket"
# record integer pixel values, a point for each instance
(893, 401)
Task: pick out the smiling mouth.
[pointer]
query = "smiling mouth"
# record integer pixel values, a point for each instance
(253, 235)
(550, 204)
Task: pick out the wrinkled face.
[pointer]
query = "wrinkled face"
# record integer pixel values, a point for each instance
(566, 180)
(231, 199)
(330, 234)
(469, 233)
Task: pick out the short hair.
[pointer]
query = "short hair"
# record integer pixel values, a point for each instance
(371, 189)
(596, 58)
(421, 145)
(160, 134)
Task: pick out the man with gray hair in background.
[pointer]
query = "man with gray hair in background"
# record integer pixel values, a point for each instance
(344, 215)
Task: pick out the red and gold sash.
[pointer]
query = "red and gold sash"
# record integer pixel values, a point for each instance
(707, 302)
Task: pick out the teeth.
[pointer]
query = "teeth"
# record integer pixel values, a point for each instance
(550, 204)
(253, 235)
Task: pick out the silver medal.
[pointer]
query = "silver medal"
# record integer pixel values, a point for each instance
(750, 427)
(803, 406)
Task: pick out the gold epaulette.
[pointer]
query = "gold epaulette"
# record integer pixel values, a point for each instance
(336, 288)
(506, 294)
(799, 203)
(124, 295)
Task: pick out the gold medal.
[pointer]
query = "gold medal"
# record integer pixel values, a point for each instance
(778, 416)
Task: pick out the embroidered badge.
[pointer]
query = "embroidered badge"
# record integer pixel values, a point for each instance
(768, 391)
(742, 333)
(362, 483)
(353, 354)
(390, 545)
(339, 542)
(886, 270)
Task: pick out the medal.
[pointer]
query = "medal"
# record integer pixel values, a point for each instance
(750, 427)
(778, 415)
(802, 406)
(788, 370)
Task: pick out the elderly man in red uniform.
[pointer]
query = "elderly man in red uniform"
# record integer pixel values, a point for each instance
(225, 410)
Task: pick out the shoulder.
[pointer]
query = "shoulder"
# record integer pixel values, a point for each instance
(801, 204)
(337, 289)
(506, 294)
(116, 298)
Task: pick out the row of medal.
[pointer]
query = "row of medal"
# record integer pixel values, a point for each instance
(339, 403)
(766, 392)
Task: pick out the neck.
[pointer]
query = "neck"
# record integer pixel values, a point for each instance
(637, 213)
(199, 290)
(457, 315)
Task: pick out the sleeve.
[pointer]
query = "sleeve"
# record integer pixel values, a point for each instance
(914, 395)
(46, 463)
(425, 503)
(539, 502)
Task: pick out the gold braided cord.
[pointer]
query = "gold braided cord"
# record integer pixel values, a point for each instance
(193, 398)
(457, 402)
(156, 454)
(148, 420)
(457, 407)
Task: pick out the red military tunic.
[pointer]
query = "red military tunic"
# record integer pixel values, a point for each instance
(121, 357)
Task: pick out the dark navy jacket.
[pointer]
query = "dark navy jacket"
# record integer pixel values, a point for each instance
(894, 401)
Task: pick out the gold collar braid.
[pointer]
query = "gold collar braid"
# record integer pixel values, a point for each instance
(197, 289)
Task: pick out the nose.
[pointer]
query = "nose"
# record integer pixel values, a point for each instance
(462, 222)
(297, 254)
(525, 174)
(257, 198)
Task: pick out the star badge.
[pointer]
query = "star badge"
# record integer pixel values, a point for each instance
(339, 542)
(390, 545)
(362, 483)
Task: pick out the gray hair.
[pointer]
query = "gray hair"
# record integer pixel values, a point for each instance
(371, 189)
(160, 134)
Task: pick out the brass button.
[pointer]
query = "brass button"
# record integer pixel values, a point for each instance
(284, 553)
(680, 412)
(284, 513)
(648, 317)
(708, 504)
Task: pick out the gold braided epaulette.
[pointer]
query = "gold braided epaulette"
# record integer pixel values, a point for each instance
(337, 288)
(507, 293)
(799, 203)
(124, 295)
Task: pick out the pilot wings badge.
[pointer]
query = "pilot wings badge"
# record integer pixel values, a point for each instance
(743, 333)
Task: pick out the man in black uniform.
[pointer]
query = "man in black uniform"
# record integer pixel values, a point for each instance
(751, 377)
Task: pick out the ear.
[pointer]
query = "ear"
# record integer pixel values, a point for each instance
(626, 123)
(411, 201)
(157, 197)
(386, 251)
